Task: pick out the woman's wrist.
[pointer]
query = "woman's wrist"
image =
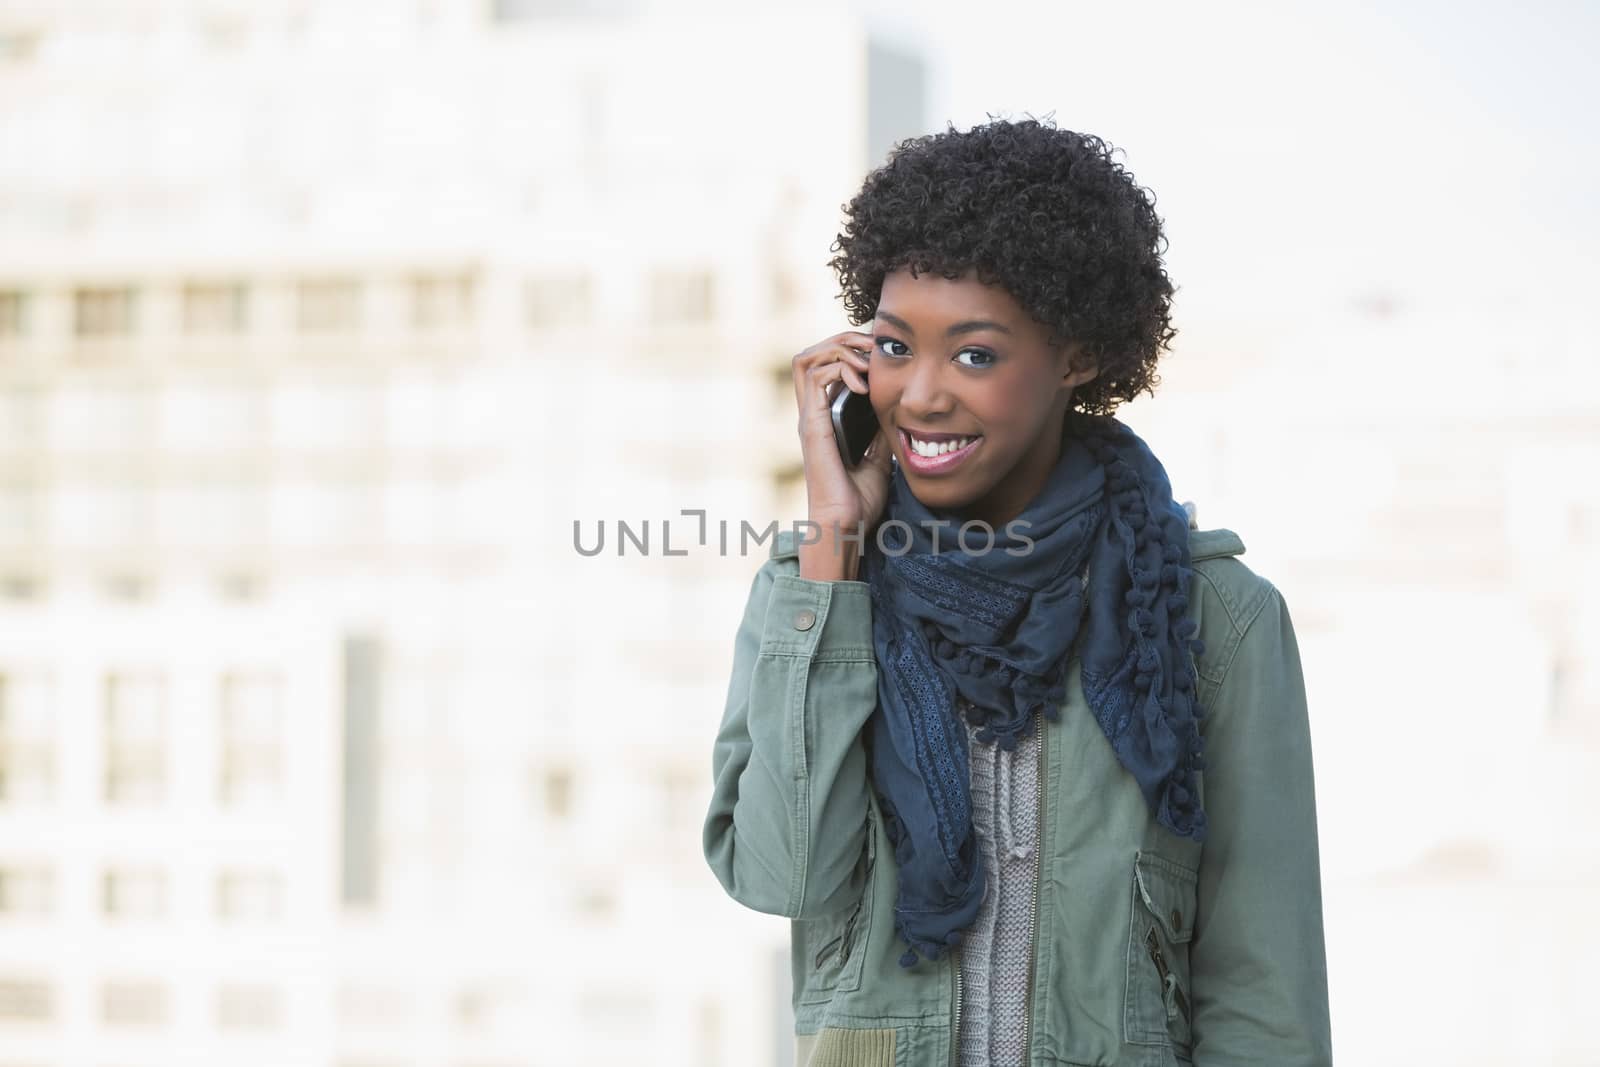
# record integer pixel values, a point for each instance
(834, 555)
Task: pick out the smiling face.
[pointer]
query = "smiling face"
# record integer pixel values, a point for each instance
(970, 391)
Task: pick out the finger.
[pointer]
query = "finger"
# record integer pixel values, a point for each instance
(812, 360)
(809, 377)
(829, 353)
(854, 348)
(852, 378)
(818, 386)
(852, 337)
(880, 452)
(860, 360)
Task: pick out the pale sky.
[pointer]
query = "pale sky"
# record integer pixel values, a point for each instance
(1443, 153)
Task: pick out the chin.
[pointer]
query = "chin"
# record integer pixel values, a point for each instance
(942, 496)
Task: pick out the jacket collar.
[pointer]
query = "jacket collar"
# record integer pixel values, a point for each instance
(1213, 544)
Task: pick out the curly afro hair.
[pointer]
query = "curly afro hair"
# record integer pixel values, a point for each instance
(1044, 213)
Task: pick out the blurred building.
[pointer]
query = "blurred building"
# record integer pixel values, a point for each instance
(1416, 476)
(320, 743)
(320, 324)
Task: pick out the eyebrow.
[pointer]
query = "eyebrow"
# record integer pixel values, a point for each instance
(956, 330)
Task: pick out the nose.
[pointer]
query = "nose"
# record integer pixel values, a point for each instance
(925, 392)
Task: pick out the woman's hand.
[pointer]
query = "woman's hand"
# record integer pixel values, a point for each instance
(840, 499)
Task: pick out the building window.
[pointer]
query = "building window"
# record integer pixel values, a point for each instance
(21, 588)
(249, 896)
(26, 890)
(617, 1011)
(679, 798)
(135, 739)
(27, 739)
(680, 296)
(127, 588)
(210, 417)
(18, 45)
(323, 416)
(328, 306)
(557, 300)
(22, 418)
(709, 1028)
(362, 706)
(555, 788)
(250, 764)
(789, 485)
(97, 417)
(249, 1007)
(441, 302)
(26, 1000)
(133, 1003)
(213, 308)
(787, 291)
(241, 587)
(21, 514)
(13, 313)
(102, 312)
(133, 893)
(224, 32)
(363, 1005)
(110, 515)
(488, 1006)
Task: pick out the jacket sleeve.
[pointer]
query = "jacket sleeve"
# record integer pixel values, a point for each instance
(1257, 960)
(786, 827)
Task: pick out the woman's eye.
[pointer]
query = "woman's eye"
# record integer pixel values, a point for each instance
(980, 357)
(883, 342)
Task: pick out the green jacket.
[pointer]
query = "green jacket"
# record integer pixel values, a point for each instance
(1150, 950)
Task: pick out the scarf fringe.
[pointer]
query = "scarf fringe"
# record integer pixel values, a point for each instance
(1177, 800)
(1146, 671)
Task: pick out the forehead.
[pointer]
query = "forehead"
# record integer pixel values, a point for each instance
(935, 299)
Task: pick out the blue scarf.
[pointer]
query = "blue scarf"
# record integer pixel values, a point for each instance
(987, 635)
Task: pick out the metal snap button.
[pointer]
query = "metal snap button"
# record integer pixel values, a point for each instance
(1177, 919)
(805, 619)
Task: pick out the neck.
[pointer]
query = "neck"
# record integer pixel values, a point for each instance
(1013, 493)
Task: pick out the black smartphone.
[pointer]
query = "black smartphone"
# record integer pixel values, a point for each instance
(855, 424)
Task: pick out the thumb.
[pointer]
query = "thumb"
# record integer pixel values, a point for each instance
(880, 455)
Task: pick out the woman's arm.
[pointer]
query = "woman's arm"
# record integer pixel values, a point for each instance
(786, 829)
(1258, 967)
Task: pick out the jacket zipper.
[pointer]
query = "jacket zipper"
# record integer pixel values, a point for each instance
(825, 951)
(1154, 945)
(1038, 858)
(1033, 899)
(955, 1025)
(843, 943)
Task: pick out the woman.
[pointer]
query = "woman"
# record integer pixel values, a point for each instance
(1023, 755)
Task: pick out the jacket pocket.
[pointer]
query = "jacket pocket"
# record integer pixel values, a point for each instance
(1157, 1004)
(827, 952)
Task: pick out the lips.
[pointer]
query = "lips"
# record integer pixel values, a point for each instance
(933, 447)
(936, 453)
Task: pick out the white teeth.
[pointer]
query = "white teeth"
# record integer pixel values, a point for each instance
(931, 449)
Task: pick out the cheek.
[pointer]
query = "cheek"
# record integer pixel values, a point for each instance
(1014, 405)
(881, 398)
(883, 389)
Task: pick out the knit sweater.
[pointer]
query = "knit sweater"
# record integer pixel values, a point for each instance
(995, 951)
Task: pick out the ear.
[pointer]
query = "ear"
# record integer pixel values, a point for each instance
(1077, 368)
